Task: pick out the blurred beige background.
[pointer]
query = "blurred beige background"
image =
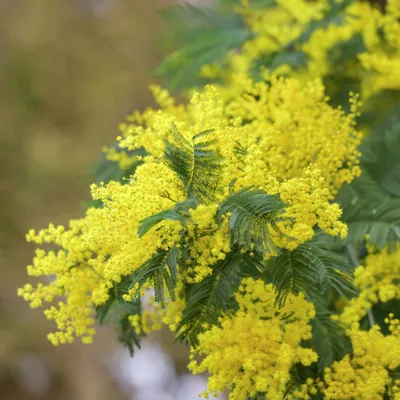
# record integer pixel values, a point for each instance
(70, 70)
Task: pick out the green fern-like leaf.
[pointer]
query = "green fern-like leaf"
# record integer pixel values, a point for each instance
(180, 212)
(381, 155)
(127, 336)
(212, 296)
(312, 268)
(196, 163)
(369, 210)
(117, 311)
(371, 203)
(160, 270)
(328, 338)
(111, 311)
(252, 214)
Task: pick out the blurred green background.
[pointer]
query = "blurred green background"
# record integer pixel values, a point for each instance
(69, 73)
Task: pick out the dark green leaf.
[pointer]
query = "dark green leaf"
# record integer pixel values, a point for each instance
(180, 212)
(196, 163)
(369, 210)
(212, 296)
(251, 211)
(159, 270)
(328, 338)
(312, 268)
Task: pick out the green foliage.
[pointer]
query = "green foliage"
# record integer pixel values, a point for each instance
(368, 210)
(117, 311)
(126, 334)
(197, 164)
(381, 154)
(251, 213)
(180, 212)
(328, 339)
(347, 50)
(212, 296)
(371, 203)
(203, 34)
(312, 268)
(160, 270)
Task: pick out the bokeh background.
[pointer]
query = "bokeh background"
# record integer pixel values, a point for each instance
(70, 70)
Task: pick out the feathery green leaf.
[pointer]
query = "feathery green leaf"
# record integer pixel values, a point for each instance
(328, 338)
(196, 163)
(180, 212)
(212, 296)
(311, 268)
(160, 269)
(369, 210)
(252, 212)
(117, 311)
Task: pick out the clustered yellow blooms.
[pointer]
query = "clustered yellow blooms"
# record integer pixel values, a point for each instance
(293, 125)
(211, 244)
(254, 349)
(274, 28)
(96, 251)
(377, 281)
(366, 373)
(295, 145)
(292, 143)
(383, 58)
(154, 316)
(279, 135)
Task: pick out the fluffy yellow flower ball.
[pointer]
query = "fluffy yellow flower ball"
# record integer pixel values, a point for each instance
(254, 349)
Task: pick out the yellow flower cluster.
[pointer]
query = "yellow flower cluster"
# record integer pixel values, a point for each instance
(382, 56)
(254, 349)
(368, 371)
(377, 66)
(292, 143)
(211, 244)
(362, 24)
(98, 250)
(273, 28)
(365, 374)
(377, 281)
(125, 161)
(291, 125)
(281, 137)
(154, 316)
